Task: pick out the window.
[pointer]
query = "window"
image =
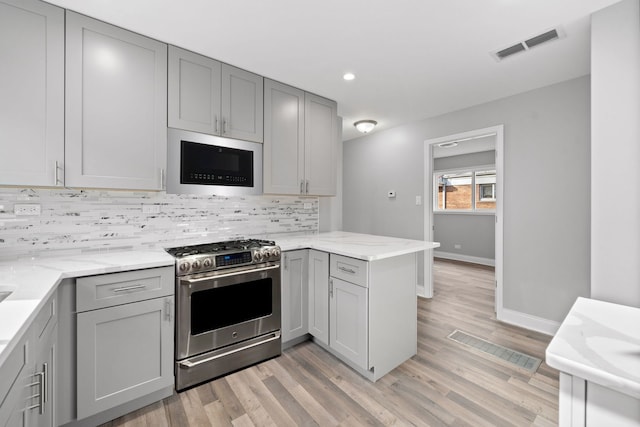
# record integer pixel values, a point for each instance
(465, 190)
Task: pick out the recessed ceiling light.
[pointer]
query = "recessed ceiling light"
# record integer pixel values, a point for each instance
(349, 76)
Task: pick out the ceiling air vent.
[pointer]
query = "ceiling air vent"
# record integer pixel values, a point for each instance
(527, 44)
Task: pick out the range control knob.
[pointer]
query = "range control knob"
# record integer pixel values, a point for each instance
(196, 264)
(258, 256)
(275, 252)
(183, 267)
(207, 263)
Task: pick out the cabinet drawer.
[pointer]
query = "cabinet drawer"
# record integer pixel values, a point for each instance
(352, 270)
(107, 290)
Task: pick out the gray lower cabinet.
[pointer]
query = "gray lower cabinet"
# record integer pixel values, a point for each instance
(319, 295)
(348, 321)
(125, 346)
(116, 107)
(32, 93)
(27, 378)
(211, 97)
(124, 352)
(294, 294)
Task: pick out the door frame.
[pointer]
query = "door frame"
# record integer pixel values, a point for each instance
(498, 131)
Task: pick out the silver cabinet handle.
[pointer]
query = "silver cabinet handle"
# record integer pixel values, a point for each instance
(307, 190)
(45, 380)
(168, 310)
(302, 186)
(215, 119)
(347, 270)
(162, 180)
(224, 126)
(331, 288)
(56, 176)
(286, 263)
(129, 288)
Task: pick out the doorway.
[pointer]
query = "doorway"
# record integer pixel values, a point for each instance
(469, 137)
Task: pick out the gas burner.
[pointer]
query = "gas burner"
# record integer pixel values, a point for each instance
(219, 255)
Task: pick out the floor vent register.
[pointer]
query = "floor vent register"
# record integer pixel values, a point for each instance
(513, 357)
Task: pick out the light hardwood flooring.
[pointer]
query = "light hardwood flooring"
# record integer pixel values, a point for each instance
(445, 384)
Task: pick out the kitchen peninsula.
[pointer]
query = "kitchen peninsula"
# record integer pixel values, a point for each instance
(355, 294)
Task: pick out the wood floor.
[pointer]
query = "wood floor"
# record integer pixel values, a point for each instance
(445, 384)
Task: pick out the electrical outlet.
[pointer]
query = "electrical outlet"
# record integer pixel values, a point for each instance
(25, 209)
(150, 209)
(307, 205)
(418, 200)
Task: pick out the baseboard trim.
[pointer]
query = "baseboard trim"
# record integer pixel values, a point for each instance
(528, 321)
(465, 258)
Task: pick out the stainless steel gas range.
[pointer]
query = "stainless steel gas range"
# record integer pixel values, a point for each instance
(227, 308)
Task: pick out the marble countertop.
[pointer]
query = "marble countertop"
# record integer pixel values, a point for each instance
(33, 281)
(355, 245)
(599, 342)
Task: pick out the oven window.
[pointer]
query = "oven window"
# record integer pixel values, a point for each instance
(219, 307)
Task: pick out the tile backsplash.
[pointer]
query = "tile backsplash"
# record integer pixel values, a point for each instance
(74, 221)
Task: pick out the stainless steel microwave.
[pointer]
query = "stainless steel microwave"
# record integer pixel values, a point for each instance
(205, 164)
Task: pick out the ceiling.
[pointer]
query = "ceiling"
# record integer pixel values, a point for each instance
(413, 59)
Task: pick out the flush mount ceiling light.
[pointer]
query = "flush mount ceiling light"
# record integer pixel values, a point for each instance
(349, 76)
(365, 126)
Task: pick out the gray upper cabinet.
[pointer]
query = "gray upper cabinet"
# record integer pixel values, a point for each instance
(320, 145)
(242, 104)
(194, 92)
(32, 88)
(283, 139)
(208, 96)
(116, 107)
(300, 142)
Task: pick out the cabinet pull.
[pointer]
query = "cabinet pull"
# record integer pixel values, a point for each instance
(162, 183)
(215, 119)
(167, 310)
(56, 177)
(302, 186)
(347, 270)
(307, 190)
(224, 126)
(331, 288)
(286, 262)
(45, 380)
(129, 288)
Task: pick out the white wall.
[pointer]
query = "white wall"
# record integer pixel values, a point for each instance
(615, 154)
(546, 206)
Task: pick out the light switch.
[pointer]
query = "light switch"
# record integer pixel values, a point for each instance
(418, 200)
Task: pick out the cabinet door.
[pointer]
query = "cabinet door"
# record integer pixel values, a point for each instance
(348, 320)
(15, 375)
(116, 107)
(194, 92)
(319, 295)
(123, 352)
(242, 104)
(32, 93)
(320, 145)
(283, 139)
(294, 295)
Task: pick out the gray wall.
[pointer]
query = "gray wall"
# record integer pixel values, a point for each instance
(475, 233)
(546, 175)
(615, 175)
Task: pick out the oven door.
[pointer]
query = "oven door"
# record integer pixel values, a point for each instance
(222, 308)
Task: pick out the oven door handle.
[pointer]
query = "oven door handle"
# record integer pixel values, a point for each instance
(188, 364)
(236, 273)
